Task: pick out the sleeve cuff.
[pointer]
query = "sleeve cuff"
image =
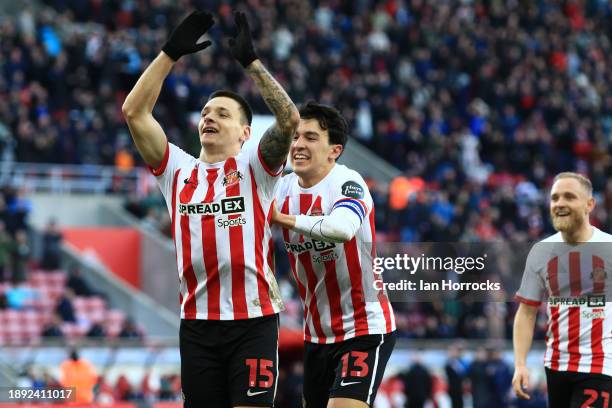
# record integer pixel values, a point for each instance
(265, 166)
(159, 170)
(528, 302)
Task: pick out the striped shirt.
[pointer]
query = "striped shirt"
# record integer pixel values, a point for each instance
(577, 282)
(335, 281)
(221, 231)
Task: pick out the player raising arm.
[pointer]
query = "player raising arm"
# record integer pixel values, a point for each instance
(219, 204)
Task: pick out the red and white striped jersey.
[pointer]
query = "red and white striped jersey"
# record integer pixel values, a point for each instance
(221, 230)
(576, 281)
(335, 281)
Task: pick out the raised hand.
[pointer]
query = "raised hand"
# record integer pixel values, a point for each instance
(183, 39)
(241, 46)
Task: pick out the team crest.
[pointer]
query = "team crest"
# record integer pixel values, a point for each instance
(599, 275)
(316, 212)
(232, 177)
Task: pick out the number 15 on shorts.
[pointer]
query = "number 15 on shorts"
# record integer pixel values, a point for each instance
(260, 372)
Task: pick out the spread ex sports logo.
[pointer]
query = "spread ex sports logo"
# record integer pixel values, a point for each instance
(232, 205)
(308, 246)
(323, 250)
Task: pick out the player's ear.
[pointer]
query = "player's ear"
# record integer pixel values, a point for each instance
(246, 134)
(336, 151)
(590, 204)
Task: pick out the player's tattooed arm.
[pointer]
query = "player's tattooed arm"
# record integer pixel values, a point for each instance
(274, 145)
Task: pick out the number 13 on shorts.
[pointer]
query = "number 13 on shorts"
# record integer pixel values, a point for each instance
(260, 372)
(354, 364)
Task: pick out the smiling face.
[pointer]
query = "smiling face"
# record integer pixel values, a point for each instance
(222, 125)
(570, 205)
(312, 157)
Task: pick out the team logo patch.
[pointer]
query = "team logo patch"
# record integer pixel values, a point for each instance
(232, 177)
(599, 275)
(316, 212)
(352, 189)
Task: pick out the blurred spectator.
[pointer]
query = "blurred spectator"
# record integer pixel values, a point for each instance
(78, 285)
(18, 207)
(65, 307)
(105, 394)
(456, 370)
(21, 255)
(97, 330)
(129, 330)
(53, 329)
(169, 387)
(79, 373)
(500, 377)
(7, 245)
(124, 390)
(51, 247)
(25, 378)
(490, 378)
(417, 384)
(291, 382)
(3, 301)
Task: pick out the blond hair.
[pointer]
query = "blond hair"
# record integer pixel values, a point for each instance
(585, 182)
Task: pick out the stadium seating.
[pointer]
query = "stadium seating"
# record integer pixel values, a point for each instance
(23, 327)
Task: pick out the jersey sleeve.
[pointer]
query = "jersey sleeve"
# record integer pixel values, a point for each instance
(352, 193)
(265, 177)
(173, 160)
(533, 289)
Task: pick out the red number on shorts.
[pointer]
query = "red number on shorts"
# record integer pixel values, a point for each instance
(359, 362)
(592, 394)
(606, 399)
(264, 372)
(345, 358)
(252, 363)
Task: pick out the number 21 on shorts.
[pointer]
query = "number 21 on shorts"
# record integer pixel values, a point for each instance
(593, 396)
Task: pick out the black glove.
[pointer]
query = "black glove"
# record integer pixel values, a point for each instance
(241, 46)
(183, 39)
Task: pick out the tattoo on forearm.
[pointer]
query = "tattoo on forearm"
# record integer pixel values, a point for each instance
(273, 94)
(274, 146)
(275, 142)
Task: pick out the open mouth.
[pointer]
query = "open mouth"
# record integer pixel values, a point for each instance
(299, 157)
(209, 130)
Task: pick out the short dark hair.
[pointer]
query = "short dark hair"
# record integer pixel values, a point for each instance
(244, 105)
(329, 119)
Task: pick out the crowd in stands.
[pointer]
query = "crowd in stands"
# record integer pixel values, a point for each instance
(478, 103)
